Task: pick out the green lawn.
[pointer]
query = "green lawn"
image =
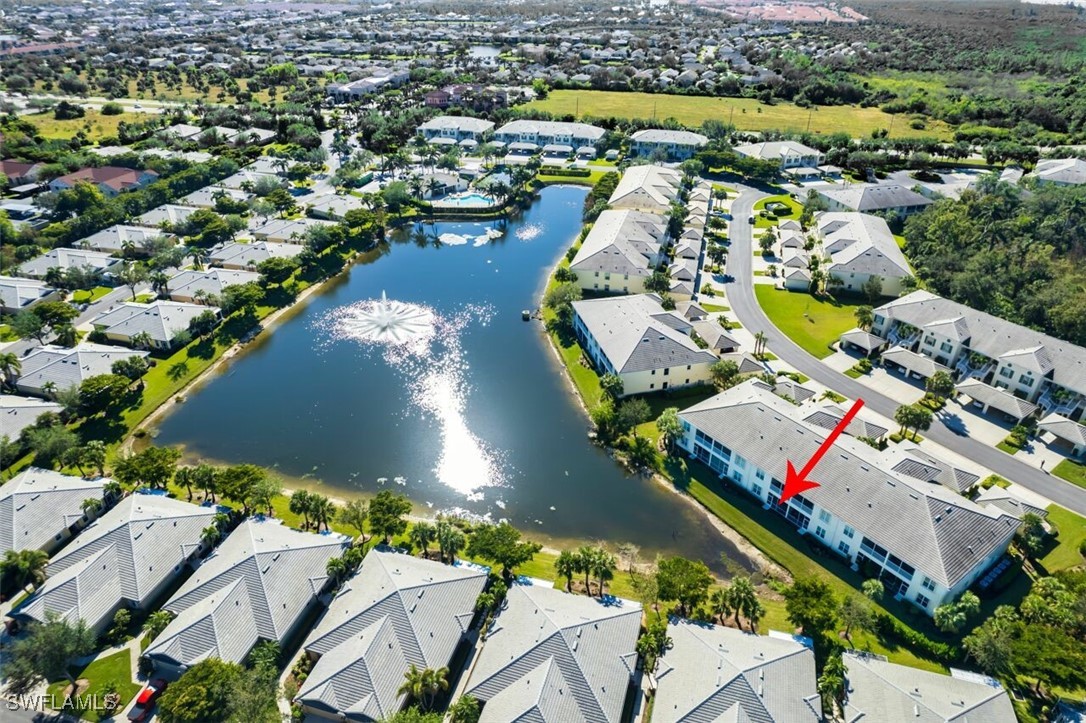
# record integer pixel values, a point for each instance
(93, 124)
(1072, 471)
(86, 296)
(115, 668)
(745, 113)
(7, 334)
(762, 222)
(1072, 529)
(714, 308)
(1010, 449)
(813, 323)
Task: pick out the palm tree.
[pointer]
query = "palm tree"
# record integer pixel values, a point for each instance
(603, 567)
(186, 477)
(421, 535)
(865, 317)
(566, 566)
(585, 555)
(155, 623)
(210, 535)
(322, 510)
(759, 343)
(200, 256)
(414, 684)
(11, 367)
(67, 335)
(744, 599)
(24, 567)
(160, 283)
(204, 477)
(142, 340)
(49, 389)
(450, 539)
(720, 602)
(112, 490)
(301, 504)
(434, 681)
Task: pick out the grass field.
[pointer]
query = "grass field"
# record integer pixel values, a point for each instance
(94, 124)
(1072, 471)
(761, 221)
(84, 296)
(116, 668)
(812, 323)
(745, 113)
(1072, 534)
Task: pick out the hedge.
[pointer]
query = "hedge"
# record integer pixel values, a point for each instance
(560, 171)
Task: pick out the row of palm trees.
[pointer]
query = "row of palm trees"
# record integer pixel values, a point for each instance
(589, 560)
(315, 509)
(738, 599)
(450, 539)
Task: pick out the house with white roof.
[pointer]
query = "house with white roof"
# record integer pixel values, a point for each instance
(61, 367)
(40, 508)
(1059, 172)
(649, 348)
(541, 133)
(117, 239)
(1002, 365)
(284, 230)
(873, 198)
(927, 543)
(257, 585)
(397, 611)
(207, 196)
(187, 285)
(160, 320)
(647, 188)
(860, 247)
(621, 252)
(125, 558)
(555, 657)
(235, 255)
(876, 690)
(67, 258)
(167, 215)
(17, 413)
(678, 145)
(716, 673)
(17, 294)
(789, 154)
(455, 128)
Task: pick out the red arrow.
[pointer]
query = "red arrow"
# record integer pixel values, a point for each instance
(794, 483)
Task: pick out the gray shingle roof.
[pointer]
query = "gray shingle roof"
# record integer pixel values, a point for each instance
(17, 413)
(113, 239)
(913, 362)
(187, 283)
(38, 504)
(1069, 171)
(1009, 502)
(882, 691)
(125, 555)
(161, 320)
(636, 334)
(68, 367)
(169, 213)
(647, 188)
(864, 244)
(622, 242)
(65, 258)
(250, 255)
(830, 415)
(996, 398)
(397, 611)
(584, 647)
(205, 197)
(714, 673)
(17, 294)
(255, 585)
(863, 339)
(931, 528)
(876, 197)
(1063, 428)
(920, 465)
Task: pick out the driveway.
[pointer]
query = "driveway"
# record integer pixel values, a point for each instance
(746, 310)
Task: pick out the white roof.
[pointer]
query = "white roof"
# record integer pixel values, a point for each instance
(552, 128)
(861, 243)
(17, 293)
(213, 281)
(18, 413)
(205, 197)
(251, 254)
(161, 320)
(647, 188)
(660, 135)
(622, 242)
(125, 555)
(875, 197)
(38, 504)
(255, 585)
(397, 611)
(170, 213)
(113, 238)
(456, 122)
(554, 657)
(775, 150)
(66, 258)
(1069, 171)
(66, 367)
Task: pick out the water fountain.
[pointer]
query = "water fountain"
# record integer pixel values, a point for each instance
(387, 322)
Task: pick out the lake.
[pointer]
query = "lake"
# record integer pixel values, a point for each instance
(475, 415)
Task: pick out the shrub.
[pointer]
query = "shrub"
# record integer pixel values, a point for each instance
(112, 109)
(890, 627)
(568, 172)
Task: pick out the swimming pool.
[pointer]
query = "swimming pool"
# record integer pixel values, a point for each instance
(467, 200)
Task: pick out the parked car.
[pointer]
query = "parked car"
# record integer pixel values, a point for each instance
(145, 702)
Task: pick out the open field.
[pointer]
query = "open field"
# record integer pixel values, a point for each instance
(94, 124)
(811, 322)
(746, 113)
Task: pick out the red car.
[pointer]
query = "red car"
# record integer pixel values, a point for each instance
(145, 703)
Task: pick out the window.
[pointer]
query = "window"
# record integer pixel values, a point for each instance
(756, 489)
(1006, 372)
(821, 532)
(652, 373)
(760, 474)
(1025, 380)
(922, 600)
(929, 341)
(848, 532)
(928, 584)
(667, 371)
(842, 547)
(740, 462)
(687, 367)
(946, 346)
(652, 386)
(824, 516)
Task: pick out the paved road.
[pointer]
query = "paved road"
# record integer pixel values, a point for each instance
(749, 313)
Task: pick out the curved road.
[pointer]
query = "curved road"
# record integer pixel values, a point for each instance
(741, 299)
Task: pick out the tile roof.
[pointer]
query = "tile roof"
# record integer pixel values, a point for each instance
(913, 362)
(863, 339)
(996, 398)
(881, 691)
(187, 283)
(1063, 428)
(250, 255)
(1009, 502)
(65, 258)
(18, 413)
(636, 334)
(17, 293)
(928, 526)
(551, 656)
(398, 610)
(66, 367)
(862, 244)
(123, 556)
(715, 673)
(647, 188)
(875, 197)
(161, 320)
(829, 415)
(255, 585)
(37, 504)
(112, 239)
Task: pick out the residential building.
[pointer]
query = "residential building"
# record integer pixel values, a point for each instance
(677, 145)
(121, 239)
(110, 180)
(555, 657)
(167, 215)
(257, 585)
(457, 128)
(647, 188)
(1060, 172)
(1070, 436)
(17, 413)
(125, 558)
(60, 368)
(621, 252)
(235, 255)
(716, 673)
(18, 293)
(788, 153)
(19, 173)
(397, 611)
(334, 207)
(41, 508)
(161, 321)
(541, 133)
(246, 180)
(649, 348)
(188, 285)
(1034, 367)
(877, 690)
(873, 198)
(66, 258)
(206, 197)
(926, 543)
(283, 230)
(861, 247)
